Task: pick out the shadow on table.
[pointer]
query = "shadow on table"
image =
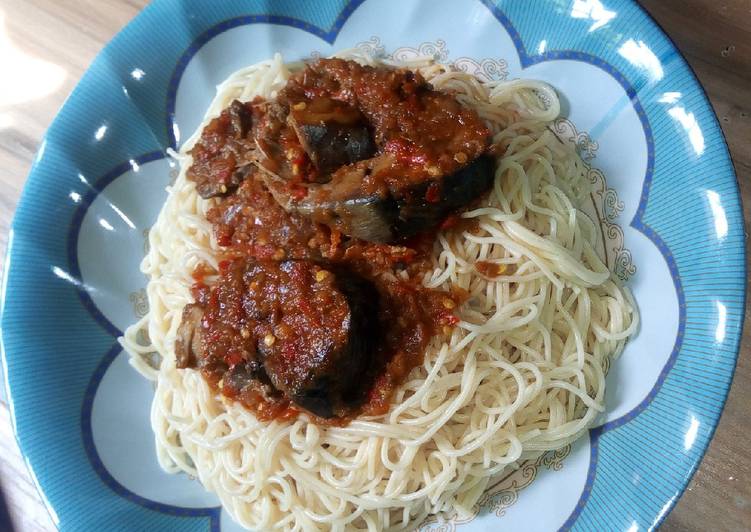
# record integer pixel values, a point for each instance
(5, 522)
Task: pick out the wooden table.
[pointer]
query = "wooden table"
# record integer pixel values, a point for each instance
(59, 40)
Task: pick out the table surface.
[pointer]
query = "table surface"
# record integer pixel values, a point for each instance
(62, 38)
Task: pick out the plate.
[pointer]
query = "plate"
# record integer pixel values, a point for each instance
(670, 209)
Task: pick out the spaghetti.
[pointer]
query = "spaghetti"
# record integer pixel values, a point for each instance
(521, 373)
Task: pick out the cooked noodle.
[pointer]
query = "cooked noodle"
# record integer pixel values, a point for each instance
(522, 373)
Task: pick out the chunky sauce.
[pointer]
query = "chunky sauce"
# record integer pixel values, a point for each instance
(303, 316)
(425, 132)
(252, 227)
